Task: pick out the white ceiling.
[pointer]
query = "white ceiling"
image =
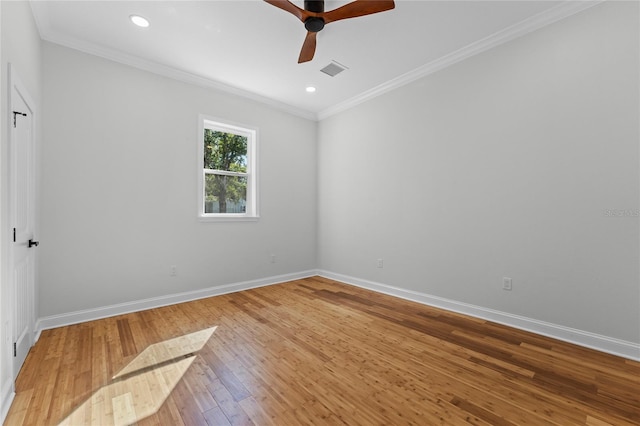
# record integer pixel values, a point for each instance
(251, 48)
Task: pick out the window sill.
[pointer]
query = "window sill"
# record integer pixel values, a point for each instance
(227, 218)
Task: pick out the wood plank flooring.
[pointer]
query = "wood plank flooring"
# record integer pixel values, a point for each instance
(315, 351)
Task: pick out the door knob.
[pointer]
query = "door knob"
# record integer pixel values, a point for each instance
(33, 243)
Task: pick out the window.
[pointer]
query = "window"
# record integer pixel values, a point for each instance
(227, 171)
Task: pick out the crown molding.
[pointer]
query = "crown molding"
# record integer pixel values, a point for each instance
(561, 11)
(48, 34)
(173, 73)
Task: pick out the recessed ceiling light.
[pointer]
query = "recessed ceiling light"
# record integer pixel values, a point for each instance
(139, 21)
(310, 89)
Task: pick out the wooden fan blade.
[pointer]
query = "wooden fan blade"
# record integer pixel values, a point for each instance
(358, 8)
(287, 6)
(308, 48)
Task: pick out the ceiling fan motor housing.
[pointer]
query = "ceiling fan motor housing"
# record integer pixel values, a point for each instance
(314, 24)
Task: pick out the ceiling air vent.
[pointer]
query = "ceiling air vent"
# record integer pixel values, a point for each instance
(333, 69)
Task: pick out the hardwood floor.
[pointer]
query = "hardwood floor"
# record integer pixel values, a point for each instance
(315, 351)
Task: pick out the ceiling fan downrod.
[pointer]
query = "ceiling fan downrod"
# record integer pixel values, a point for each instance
(316, 6)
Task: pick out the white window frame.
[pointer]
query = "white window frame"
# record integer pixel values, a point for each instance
(251, 133)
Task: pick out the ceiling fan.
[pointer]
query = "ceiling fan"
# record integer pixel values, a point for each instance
(315, 18)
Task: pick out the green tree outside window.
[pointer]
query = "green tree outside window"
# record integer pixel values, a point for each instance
(225, 164)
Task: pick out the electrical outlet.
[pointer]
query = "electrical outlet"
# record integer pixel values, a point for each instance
(380, 263)
(507, 283)
(173, 270)
(273, 258)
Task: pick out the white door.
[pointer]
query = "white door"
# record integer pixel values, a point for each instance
(21, 217)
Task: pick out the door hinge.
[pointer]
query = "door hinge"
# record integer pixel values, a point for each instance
(16, 113)
(14, 235)
(15, 349)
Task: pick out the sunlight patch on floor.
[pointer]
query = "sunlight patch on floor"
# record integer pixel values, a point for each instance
(143, 385)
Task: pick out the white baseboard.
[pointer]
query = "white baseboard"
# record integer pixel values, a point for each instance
(61, 320)
(7, 398)
(598, 342)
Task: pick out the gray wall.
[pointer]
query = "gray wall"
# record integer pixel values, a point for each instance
(502, 165)
(119, 188)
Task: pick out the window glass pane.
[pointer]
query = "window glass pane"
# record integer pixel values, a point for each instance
(225, 151)
(225, 194)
